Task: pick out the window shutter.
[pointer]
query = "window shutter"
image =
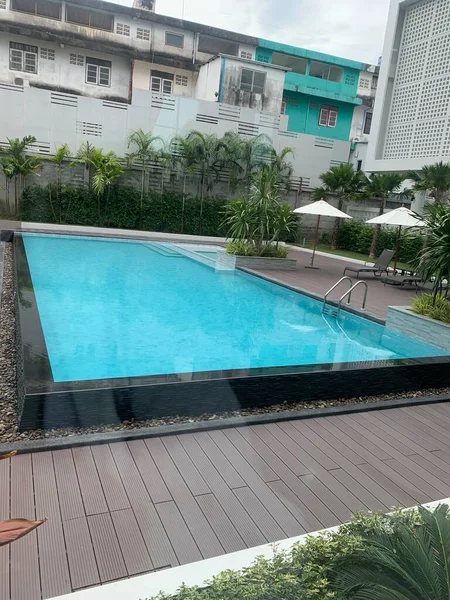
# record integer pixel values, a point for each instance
(259, 81)
(323, 117)
(247, 80)
(332, 118)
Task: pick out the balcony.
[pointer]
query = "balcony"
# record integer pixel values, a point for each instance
(314, 86)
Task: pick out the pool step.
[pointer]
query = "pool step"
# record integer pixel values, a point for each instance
(331, 310)
(164, 250)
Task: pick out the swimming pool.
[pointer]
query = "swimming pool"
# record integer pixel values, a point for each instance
(121, 309)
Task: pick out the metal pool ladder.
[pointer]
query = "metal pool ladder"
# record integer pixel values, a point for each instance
(334, 311)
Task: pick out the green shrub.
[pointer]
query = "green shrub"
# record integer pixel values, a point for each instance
(306, 572)
(438, 308)
(274, 252)
(162, 212)
(239, 248)
(357, 237)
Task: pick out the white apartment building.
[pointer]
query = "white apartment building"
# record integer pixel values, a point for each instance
(411, 121)
(363, 116)
(88, 70)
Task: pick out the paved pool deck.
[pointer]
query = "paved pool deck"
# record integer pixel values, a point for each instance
(119, 510)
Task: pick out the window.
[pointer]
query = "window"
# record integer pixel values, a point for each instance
(122, 29)
(83, 16)
(364, 83)
(48, 53)
(76, 59)
(181, 80)
(98, 72)
(248, 55)
(174, 39)
(41, 8)
(253, 81)
(359, 165)
(262, 58)
(367, 123)
(3, 4)
(283, 106)
(158, 85)
(23, 57)
(143, 34)
(324, 71)
(328, 116)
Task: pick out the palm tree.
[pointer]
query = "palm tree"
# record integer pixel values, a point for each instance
(145, 153)
(282, 166)
(17, 165)
(434, 179)
(264, 197)
(379, 187)
(206, 154)
(86, 154)
(61, 155)
(434, 260)
(344, 183)
(107, 168)
(184, 165)
(407, 561)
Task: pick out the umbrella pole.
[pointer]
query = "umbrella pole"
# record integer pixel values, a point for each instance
(316, 237)
(397, 244)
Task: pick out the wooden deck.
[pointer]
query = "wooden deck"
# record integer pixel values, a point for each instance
(122, 509)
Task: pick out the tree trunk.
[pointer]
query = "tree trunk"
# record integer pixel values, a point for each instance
(183, 203)
(51, 202)
(202, 193)
(376, 233)
(141, 207)
(336, 227)
(15, 195)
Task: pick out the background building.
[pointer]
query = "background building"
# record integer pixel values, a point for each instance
(79, 71)
(411, 121)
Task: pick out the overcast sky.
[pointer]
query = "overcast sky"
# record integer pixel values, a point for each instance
(347, 28)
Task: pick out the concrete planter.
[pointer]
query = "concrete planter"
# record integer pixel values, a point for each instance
(256, 262)
(403, 320)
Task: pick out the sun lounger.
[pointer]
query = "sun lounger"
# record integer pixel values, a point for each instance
(377, 269)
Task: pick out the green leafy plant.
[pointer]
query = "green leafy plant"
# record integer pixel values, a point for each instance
(241, 248)
(434, 307)
(434, 179)
(345, 184)
(60, 157)
(403, 561)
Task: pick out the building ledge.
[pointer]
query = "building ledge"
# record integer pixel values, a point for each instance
(310, 91)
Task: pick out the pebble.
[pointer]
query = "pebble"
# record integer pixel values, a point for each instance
(8, 398)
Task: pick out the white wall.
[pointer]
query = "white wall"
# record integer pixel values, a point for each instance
(411, 125)
(208, 81)
(142, 72)
(55, 118)
(60, 73)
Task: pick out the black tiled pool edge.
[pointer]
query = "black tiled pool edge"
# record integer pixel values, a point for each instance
(108, 437)
(46, 404)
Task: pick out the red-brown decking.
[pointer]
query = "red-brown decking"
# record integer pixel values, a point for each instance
(127, 508)
(330, 270)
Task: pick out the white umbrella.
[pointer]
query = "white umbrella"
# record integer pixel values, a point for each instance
(401, 217)
(321, 209)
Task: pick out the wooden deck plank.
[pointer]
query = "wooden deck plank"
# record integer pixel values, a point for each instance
(361, 441)
(284, 518)
(25, 577)
(421, 484)
(155, 537)
(433, 482)
(246, 526)
(292, 439)
(252, 456)
(5, 467)
(107, 551)
(151, 477)
(430, 420)
(201, 530)
(352, 456)
(308, 448)
(338, 508)
(91, 489)
(411, 428)
(222, 464)
(53, 563)
(269, 527)
(183, 543)
(291, 461)
(134, 551)
(378, 496)
(80, 553)
(112, 485)
(186, 467)
(402, 497)
(68, 488)
(221, 524)
(291, 501)
(415, 421)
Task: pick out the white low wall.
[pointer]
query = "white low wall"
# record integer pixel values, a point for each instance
(170, 580)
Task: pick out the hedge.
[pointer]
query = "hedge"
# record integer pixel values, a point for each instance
(357, 237)
(161, 212)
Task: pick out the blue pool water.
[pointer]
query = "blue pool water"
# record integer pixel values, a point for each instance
(121, 309)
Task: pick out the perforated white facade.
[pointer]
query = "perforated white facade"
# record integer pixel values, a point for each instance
(411, 125)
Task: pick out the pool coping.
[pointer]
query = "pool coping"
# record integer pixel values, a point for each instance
(46, 404)
(74, 440)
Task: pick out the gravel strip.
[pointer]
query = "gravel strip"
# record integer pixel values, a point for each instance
(8, 400)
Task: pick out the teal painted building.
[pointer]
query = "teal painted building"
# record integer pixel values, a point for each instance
(320, 90)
